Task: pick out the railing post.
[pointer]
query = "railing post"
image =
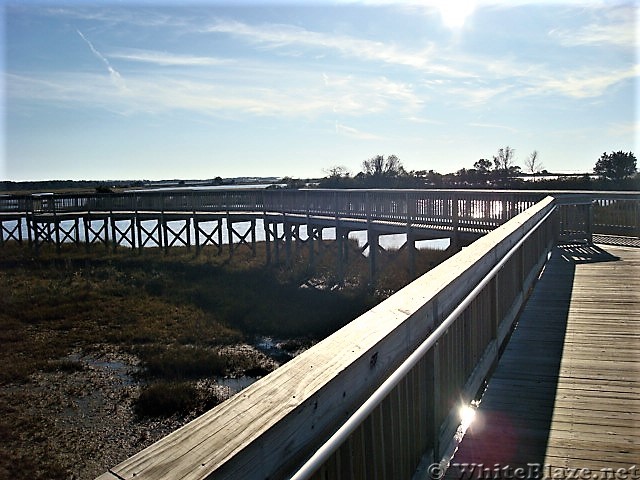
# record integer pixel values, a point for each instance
(310, 238)
(636, 212)
(455, 223)
(590, 223)
(433, 369)
(505, 210)
(495, 307)
(56, 224)
(29, 219)
(411, 243)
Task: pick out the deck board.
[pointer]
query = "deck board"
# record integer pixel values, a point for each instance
(566, 391)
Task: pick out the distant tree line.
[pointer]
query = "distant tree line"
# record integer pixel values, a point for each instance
(99, 186)
(66, 185)
(612, 171)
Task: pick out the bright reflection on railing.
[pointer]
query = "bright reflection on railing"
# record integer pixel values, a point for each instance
(467, 415)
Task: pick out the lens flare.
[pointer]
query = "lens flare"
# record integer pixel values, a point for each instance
(467, 414)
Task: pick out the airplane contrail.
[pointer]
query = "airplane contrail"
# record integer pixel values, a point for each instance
(115, 75)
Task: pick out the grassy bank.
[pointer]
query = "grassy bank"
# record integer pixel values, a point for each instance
(166, 325)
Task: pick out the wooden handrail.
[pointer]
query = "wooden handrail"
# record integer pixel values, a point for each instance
(322, 455)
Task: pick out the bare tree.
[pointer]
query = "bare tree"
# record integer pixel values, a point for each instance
(337, 171)
(533, 164)
(503, 161)
(504, 166)
(378, 166)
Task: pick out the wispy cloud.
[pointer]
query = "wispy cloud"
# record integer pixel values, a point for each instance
(624, 129)
(616, 26)
(113, 15)
(113, 73)
(475, 80)
(600, 35)
(168, 59)
(581, 84)
(473, 94)
(415, 119)
(493, 125)
(414, 75)
(355, 133)
(216, 94)
(278, 36)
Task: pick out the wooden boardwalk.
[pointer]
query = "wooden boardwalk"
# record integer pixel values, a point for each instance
(566, 392)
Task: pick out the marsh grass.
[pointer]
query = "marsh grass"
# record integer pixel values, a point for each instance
(164, 399)
(64, 365)
(180, 304)
(174, 312)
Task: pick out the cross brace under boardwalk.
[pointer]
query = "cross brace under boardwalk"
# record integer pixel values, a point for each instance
(566, 392)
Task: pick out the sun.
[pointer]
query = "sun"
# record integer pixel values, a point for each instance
(454, 13)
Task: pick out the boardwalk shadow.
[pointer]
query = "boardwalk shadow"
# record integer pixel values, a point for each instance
(512, 425)
(583, 253)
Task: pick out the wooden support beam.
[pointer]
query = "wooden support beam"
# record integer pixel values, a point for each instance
(374, 246)
(150, 233)
(253, 237)
(105, 227)
(56, 229)
(311, 244)
(288, 232)
(29, 222)
(340, 265)
(411, 254)
(276, 241)
(12, 233)
(113, 231)
(267, 238)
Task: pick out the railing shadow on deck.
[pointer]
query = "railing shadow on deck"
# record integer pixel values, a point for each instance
(587, 253)
(513, 425)
(511, 428)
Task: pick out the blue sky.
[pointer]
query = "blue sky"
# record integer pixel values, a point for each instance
(153, 90)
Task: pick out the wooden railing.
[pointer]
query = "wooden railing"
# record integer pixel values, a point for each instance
(585, 214)
(614, 213)
(452, 210)
(462, 311)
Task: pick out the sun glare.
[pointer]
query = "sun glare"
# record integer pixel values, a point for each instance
(467, 414)
(455, 13)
